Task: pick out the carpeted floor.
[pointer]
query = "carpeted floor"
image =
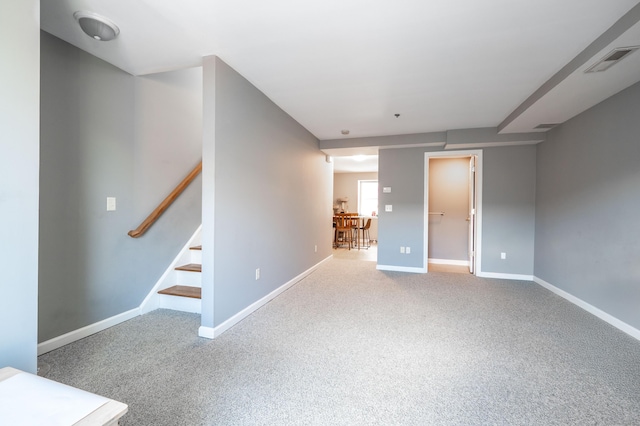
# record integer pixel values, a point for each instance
(350, 345)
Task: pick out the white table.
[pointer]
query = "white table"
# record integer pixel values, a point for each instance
(27, 399)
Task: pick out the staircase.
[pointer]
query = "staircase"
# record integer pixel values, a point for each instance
(185, 295)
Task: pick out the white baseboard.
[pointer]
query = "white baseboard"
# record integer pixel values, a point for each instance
(218, 330)
(449, 262)
(401, 269)
(501, 276)
(81, 333)
(207, 332)
(620, 325)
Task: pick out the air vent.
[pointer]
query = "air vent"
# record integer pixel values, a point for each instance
(546, 126)
(612, 58)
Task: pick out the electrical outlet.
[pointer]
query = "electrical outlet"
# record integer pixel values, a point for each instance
(503, 255)
(401, 249)
(388, 208)
(257, 274)
(407, 250)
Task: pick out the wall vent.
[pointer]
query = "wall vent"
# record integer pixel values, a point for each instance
(611, 58)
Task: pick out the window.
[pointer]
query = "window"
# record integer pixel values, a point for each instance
(368, 197)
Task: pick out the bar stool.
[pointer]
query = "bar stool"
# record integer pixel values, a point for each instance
(365, 234)
(343, 231)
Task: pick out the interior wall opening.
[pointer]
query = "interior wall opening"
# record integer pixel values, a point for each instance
(451, 212)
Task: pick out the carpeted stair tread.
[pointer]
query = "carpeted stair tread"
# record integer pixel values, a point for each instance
(184, 291)
(191, 267)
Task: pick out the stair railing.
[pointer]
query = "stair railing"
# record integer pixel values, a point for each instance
(164, 205)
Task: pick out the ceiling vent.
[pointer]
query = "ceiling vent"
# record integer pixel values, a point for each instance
(546, 126)
(612, 58)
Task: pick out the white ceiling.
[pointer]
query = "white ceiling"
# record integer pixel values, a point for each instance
(355, 163)
(353, 64)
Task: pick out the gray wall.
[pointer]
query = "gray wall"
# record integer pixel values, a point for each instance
(273, 191)
(508, 208)
(449, 193)
(403, 171)
(106, 133)
(19, 123)
(587, 202)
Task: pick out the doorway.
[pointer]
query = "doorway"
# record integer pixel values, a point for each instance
(453, 211)
(357, 192)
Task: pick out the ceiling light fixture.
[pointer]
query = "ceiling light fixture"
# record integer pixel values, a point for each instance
(97, 27)
(359, 157)
(344, 132)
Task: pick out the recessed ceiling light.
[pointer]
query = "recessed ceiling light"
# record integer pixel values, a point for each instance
(345, 132)
(97, 27)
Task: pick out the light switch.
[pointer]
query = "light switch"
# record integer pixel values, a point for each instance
(111, 203)
(386, 189)
(388, 207)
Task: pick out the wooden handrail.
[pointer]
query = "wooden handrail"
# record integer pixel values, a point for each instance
(150, 220)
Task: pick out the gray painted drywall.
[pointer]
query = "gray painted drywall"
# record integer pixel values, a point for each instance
(101, 129)
(508, 209)
(209, 67)
(273, 191)
(587, 202)
(19, 124)
(507, 215)
(449, 193)
(346, 185)
(168, 111)
(403, 171)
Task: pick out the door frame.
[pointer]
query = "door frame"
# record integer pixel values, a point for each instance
(478, 217)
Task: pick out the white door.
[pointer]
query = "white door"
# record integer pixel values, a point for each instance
(472, 214)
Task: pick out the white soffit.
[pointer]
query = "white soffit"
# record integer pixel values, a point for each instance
(348, 164)
(580, 91)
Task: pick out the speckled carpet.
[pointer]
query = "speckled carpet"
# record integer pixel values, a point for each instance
(350, 345)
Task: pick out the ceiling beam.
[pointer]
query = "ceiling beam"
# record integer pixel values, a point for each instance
(623, 24)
